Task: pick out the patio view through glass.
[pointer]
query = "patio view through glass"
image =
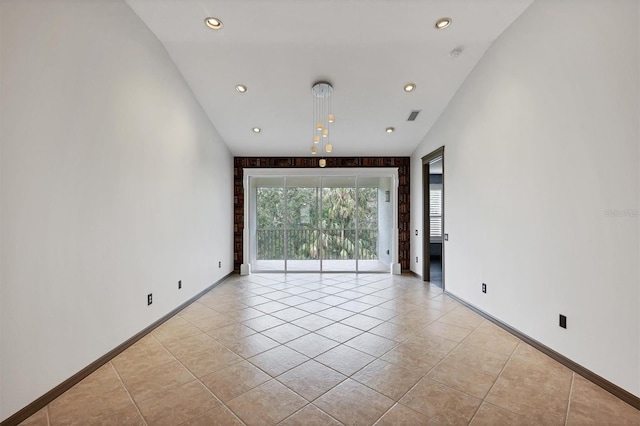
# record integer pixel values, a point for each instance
(314, 223)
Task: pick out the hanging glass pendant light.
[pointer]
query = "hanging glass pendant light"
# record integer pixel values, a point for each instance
(322, 117)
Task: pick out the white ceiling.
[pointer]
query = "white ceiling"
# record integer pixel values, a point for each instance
(367, 49)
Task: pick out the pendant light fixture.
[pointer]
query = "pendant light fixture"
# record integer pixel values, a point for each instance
(322, 118)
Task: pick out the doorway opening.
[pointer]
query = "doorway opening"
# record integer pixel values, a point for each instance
(433, 217)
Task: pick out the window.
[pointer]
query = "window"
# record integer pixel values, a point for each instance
(435, 212)
(320, 220)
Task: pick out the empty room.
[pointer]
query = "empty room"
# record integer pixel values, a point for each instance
(328, 212)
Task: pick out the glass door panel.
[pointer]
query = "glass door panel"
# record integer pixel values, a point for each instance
(321, 223)
(339, 218)
(368, 224)
(302, 223)
(268, 220)
(375, 223)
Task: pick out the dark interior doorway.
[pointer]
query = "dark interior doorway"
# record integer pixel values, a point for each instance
(433, 199)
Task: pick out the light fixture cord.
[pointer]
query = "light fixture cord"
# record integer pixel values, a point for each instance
(321, 119)
(328, 112)
(324, 141)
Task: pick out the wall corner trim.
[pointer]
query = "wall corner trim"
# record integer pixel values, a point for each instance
(612, 388)
(48, 397)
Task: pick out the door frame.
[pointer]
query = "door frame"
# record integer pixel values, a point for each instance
(426, 209)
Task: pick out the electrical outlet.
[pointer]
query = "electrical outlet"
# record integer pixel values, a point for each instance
(149, 299)
(219, 264)
(446, 237)
(484, 288)
(563, 321)
(416, 259)
(179, 284)
(387, 251)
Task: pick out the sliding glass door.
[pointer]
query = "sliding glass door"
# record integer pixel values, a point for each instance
(374, 232)
(339, 223)
(321, 223)
(267, 225)
(303, 224)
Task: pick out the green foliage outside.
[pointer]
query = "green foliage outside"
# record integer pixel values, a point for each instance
(305, 223)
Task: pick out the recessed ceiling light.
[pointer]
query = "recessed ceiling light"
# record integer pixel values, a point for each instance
(256, 130)
(443, 23)
(213, 23)
(390, 129)
(241, 88)
(410, 87)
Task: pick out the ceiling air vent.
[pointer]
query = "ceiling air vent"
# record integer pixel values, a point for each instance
(413, 115)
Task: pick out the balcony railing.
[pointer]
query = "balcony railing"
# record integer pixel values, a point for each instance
(303, 244)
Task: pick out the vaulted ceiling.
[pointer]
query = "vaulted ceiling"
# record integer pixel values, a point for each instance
(367, 49)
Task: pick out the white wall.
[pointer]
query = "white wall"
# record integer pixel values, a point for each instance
(540, 141)
(114, 185)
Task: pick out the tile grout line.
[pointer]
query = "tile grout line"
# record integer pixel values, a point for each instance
(366, 365)
(309, 358)
(323, 393)
(566, 418)
(309, 403)
(197, 379)
(365, 331)
(280, 345)
(227, 407)
(144, 420)
(496, 381)
(397, 402)
(424, 376)
(190, 372)
(376, 358)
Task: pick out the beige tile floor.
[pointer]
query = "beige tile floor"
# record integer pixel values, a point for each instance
(311, 349)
